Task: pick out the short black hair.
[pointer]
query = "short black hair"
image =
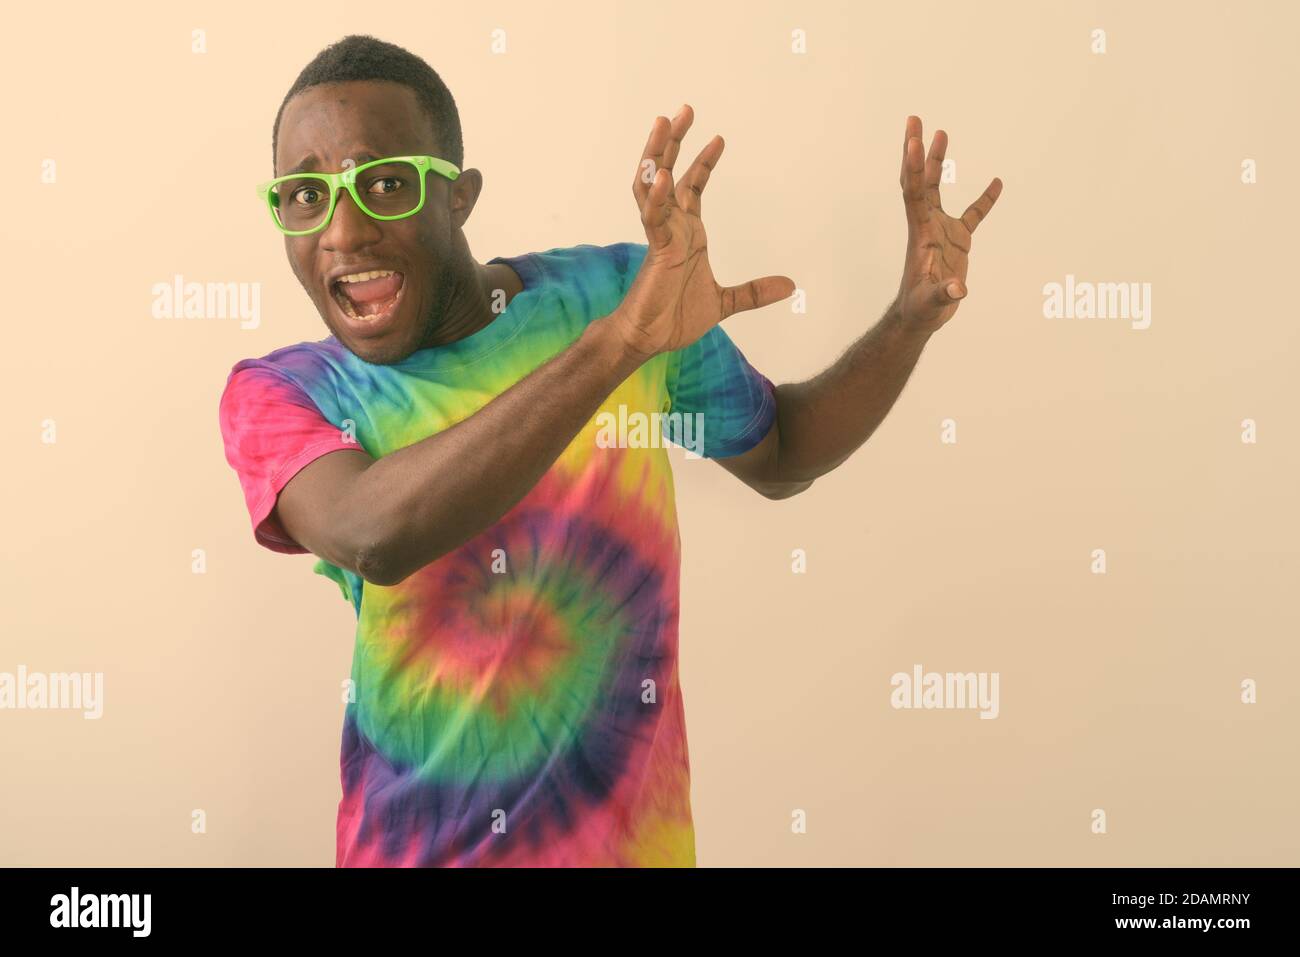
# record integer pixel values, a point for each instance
(362, 57)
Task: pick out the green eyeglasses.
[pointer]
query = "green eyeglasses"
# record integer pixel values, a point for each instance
(391, 188)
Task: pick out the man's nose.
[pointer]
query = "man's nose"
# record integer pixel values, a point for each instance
(350, 228)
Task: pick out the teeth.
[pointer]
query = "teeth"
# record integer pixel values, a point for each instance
(346, 305)
(363, 276)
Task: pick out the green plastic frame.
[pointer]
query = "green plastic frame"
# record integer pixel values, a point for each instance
(348, 180)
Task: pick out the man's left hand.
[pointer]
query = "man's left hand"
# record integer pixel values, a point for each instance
(938, 245)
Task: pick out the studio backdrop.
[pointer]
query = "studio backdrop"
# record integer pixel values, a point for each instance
(1081, 508)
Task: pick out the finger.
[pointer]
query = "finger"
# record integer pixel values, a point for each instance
(913, 179)
(650, 157)
(913, 128)
(677, 129)
(977, 210)
(756, 294)
(914, 200)
(940, 295)
(691, 188)
(934, 165)
(654, 214)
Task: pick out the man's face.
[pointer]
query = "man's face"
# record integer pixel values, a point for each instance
(333, 127)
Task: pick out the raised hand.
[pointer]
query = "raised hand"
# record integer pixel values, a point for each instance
(674, 299)
(938, 246)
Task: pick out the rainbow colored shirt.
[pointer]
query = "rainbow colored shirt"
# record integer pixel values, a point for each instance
(516, 702)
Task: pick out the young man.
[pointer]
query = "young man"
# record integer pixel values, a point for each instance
(445, 454)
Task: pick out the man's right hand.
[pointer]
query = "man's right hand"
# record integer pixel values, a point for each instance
(674, 299)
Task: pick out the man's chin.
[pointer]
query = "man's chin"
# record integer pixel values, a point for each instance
(381, 341)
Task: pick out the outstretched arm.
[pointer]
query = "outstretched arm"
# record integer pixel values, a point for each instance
(822, 421)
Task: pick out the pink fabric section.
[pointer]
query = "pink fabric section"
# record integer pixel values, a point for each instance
(272, 429)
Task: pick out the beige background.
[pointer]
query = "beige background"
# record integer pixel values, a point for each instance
(1118, 692)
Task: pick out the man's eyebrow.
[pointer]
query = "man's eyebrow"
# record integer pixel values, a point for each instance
(305, 164)
(308, 163)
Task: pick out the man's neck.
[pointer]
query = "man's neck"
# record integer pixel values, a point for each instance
(470, 303)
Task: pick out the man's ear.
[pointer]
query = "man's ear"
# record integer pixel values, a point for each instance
(464, 194)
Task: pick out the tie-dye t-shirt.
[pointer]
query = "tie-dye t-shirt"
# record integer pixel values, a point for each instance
(517, 701)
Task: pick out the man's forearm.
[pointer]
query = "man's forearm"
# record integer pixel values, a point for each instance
(422, 501)
(823, 420)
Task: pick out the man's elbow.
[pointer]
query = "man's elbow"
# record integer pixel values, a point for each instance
(376, 565)
(390, 561)
(779, 490)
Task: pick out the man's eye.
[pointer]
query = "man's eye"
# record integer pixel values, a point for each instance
(307, 196)
(386, 184)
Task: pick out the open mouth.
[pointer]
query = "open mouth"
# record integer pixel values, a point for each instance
(368, 298)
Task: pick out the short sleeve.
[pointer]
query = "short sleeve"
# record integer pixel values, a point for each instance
(726, 406)
(271, 430)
